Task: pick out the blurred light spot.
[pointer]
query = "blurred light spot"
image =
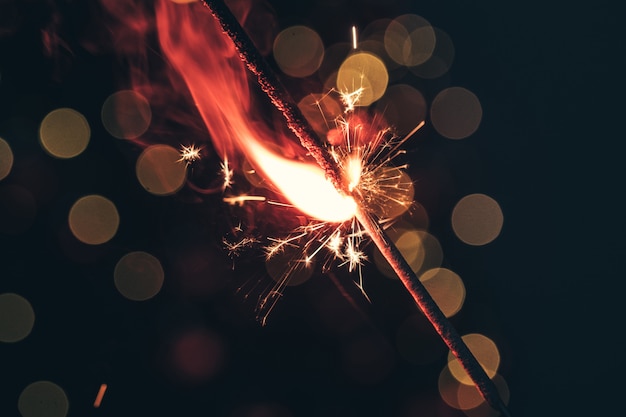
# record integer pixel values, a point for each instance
(477, 219)
(200, 271)
(333, 57)
(16, 318)
(456, 113)
(290, 264)
(446, 288)
(467, 397)
(298, 51)
(403, 107)
(420, 249)
(6, 159)
(410, 40)
(440, 61)
(160, 170)
(417, 341)
(486, 353)
(363, 72)
(43, 399)
(64, 133)
(93, 219)
(320, 110)
(17, 209)
(472, 403)
(138, 276)
(416, 217)
(197, 355)
(126, 114)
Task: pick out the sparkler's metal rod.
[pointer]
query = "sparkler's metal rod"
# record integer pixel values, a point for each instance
(282, 100)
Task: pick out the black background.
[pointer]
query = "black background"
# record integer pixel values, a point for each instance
(548, 290)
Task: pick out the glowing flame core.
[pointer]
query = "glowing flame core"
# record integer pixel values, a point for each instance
(304, 185)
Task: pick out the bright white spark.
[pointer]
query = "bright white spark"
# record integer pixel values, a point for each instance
(354, 43)
(189, 153)
(241, 199)
(227, 173)
(350, 98)
(235, 248)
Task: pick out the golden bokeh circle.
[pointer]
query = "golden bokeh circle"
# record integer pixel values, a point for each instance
(477, 219)
(6, 158)
(93, 219)
(484, 350)
(409, 40)
(43, 399)
(298, 51)
(456, 113)
(16, 318)
(126, 114)
(365, 72)
(64, 133)
(138, 276)
(160, 170)
(446, 288)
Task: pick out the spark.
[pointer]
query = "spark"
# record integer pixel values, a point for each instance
(189, 153)
(235, 248)
(227, 173)
(351, 97)
(100, 395)
(354, 43)
(241, 199)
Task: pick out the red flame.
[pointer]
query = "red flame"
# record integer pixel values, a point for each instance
(206, 59)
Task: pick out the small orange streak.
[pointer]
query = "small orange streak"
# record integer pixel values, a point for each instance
(101, 392)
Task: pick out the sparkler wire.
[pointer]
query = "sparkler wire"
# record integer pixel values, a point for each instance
(281, 99)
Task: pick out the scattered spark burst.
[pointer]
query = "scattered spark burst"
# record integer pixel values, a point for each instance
(190, 153)
(365, 156)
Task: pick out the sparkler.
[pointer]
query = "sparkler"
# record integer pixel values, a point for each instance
(296, 122)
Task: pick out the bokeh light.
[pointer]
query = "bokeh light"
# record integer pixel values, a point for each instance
(396, 193)
(446, 288)
(160, 170)
(16, 318)
(420, 249)
(126, 114)
(365, 72)
(320, 110)
(403, 106)
(441, 59)
(138, 276)
(467, 397)
(64, 133)
(410, 40)
(6, 159)
(477, 219)
(197, 355)
(456, 113)
(17, 209)
(93, 219)
(43, 399)
(290, 264)
(298, 51)
(486, 353)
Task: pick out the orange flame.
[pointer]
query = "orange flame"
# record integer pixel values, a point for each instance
(218, 81)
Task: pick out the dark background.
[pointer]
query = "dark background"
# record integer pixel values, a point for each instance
(548, 290)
